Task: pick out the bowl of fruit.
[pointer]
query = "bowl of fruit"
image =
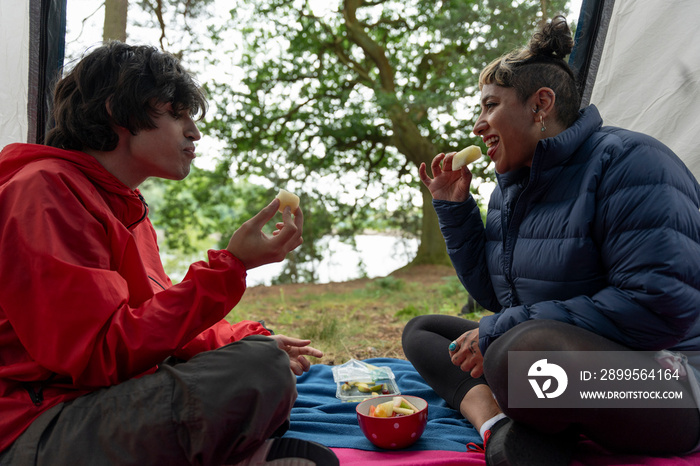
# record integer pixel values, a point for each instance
(393, 422)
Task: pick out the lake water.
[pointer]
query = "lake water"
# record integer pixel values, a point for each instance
(380, 254)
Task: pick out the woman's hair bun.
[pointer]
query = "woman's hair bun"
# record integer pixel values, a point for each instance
(554, 41)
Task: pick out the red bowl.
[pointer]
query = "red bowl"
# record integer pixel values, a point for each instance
(392, 433)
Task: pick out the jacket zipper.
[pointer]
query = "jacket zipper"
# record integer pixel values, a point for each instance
(512, 226)
(36, 391)
(156, 282)
(145, 213)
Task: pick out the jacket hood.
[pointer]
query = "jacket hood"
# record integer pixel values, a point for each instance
(16, 156)
(127, 204)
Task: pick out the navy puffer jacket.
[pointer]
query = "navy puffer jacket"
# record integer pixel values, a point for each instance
(602, 232)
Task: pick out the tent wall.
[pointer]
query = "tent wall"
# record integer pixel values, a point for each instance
(14, 62)
(32, 38)
(640, 65)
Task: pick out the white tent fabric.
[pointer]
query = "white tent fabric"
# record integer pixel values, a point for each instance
(649, 73)
(14, 60)
(32, 38)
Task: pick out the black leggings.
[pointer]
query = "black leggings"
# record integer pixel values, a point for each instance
(644, 431)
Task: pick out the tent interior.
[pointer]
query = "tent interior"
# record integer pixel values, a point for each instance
(635, 61)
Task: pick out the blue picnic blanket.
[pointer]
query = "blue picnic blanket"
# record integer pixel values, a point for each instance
(321, 417)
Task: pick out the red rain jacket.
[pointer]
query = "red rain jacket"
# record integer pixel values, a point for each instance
(84, 300)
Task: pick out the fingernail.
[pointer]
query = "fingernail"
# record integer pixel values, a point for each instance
(453, 346)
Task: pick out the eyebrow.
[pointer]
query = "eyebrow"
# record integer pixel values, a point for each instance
(486, 97)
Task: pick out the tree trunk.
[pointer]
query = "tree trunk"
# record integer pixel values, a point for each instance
(115, 20)
(407, 137)
(432, 248)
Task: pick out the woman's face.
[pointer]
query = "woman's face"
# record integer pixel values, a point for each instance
(508, 127)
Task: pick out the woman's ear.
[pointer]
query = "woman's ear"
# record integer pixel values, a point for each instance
(542, 103)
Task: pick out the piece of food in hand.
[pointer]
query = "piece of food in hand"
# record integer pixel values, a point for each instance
(465, 157)
(288, 199)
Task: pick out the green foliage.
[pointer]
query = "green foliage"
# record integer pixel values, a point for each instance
(409, 312)
(355, 319)
(360, 91)
(451, 287)
(388, 283)
(323, 330)
(340, 102)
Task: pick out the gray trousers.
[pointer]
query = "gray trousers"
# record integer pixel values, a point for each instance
(214, 409)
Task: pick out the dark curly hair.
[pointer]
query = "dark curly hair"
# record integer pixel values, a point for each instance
(119, 85)
(540, 64)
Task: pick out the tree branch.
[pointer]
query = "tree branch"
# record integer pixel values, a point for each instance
(372, 50)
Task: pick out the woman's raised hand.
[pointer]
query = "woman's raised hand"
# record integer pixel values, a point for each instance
(446, 185)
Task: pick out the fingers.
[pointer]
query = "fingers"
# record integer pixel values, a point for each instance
(304, 363)
(469, 363)
(435, 165)
(299, 220)
(311, 351)
(297, 350)
(447, 162)
(423, 174)
(298, 346)
(295, 367)
(291, 227)
(299, 365)
(265, 215)
(302, 347)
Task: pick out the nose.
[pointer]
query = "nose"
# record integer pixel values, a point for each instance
(191, 130)
(480, 126)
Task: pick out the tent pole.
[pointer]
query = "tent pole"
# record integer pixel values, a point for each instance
(591, 30)
(47, 30)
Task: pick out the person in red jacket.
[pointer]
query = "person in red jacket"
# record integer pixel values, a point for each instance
(102, 359)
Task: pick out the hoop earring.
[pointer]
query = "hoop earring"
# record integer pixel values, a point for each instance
(542, 123)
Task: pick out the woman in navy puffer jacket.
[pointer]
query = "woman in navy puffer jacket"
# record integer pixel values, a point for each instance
(591, 243)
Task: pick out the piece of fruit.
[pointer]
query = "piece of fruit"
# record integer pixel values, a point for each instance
(363, 387)
(403, 411)
(403, 403)
(385, 409)
(465, 157)
(288, 199)
(366, 388)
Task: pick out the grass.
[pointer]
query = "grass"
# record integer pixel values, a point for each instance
(359, 319)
